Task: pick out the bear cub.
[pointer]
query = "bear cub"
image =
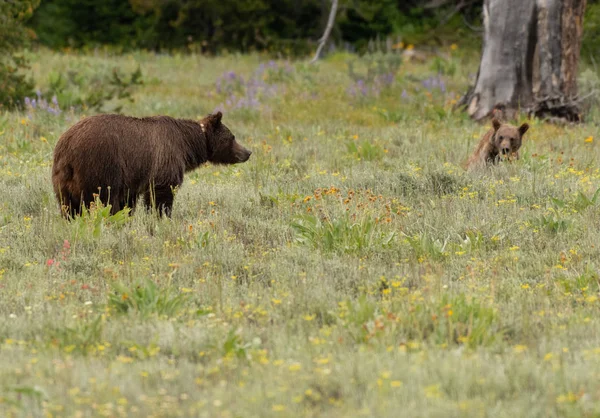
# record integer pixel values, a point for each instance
(120, 158)
(501, 141)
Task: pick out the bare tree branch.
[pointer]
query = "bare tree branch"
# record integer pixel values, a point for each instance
(462, 4)
(473, 28)
(327, 32)
(434, 4)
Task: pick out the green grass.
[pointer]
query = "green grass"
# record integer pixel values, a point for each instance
(349, 268)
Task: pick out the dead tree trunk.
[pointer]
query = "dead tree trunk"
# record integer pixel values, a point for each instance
(330, 22)
(529, 59)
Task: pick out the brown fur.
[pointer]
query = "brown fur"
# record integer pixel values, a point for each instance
(120, 157)
(501, 141)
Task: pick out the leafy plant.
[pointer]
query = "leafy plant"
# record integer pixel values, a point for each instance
(465, 320)
(471, 241)
(587, 281)
(146, 299)
(340, 234)
(80, 337)
(365, 150)
(579, 203)
(444, 66)
(95, 219)
(552, 223)
(31, 397)
(235, 346)
(395, 116)
(423, 245)
(357, 316)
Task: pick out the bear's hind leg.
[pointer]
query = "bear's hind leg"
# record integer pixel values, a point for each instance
(70, 204)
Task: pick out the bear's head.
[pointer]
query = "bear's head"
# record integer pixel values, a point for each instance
(507, 138)
(221, 146)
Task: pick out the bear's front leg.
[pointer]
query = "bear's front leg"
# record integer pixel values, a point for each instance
(130, 201)
(161, 197)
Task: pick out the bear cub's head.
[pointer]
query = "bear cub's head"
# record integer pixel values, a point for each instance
(221, 146)
(507, 138)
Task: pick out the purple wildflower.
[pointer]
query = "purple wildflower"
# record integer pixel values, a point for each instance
(241, 93)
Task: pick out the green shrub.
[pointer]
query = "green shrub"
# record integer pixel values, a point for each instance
(14, 83)
(590, 46)
(79, 89)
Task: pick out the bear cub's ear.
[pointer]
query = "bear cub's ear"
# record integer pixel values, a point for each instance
(496, 123)
(215, 118)
(523, 128)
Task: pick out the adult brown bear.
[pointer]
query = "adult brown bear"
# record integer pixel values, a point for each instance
(120, 157)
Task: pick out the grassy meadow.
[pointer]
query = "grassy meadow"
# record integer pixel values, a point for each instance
(350, 268)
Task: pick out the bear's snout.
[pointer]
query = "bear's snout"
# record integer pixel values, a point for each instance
(505, 147)
(246, 156)
(241, 153)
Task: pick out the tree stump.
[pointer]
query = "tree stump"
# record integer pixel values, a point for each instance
(529, 60)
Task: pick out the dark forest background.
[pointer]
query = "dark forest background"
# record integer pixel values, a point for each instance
(289, 27)
(283, 27)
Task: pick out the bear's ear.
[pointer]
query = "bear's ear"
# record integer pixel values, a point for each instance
(523, 128)
(496, 123)
(215, 118)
